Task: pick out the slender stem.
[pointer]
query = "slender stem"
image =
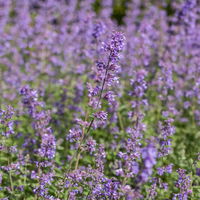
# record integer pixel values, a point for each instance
(25, 171)
(120, 121)
(72, 159)
(77, 161)
(101, 92)
(92, 121)
(66, 195)
(10, 177)
(104, 81)
(89, 127)
(84, 136)
(11, 182)
(79, 151)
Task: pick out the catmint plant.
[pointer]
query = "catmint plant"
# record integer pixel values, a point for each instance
(99, 99)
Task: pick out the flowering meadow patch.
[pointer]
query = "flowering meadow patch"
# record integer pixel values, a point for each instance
(99, 100)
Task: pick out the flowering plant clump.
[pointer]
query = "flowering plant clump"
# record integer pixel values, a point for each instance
(99, 100)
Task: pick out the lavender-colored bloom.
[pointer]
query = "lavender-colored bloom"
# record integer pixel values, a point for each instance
(13, 149)
(74, 135)
(101, 115)
(44, 181)
(30, 99)
(42, 120)
(13, 166)
(183, 184)
(160, 171)
(7, 122)
(20, 188)
(167, 130)
(139, 84)
(100, 119)
(100, 66)
(187, 6)
(165, 169)
(98, 29)
(169, 168)
(165, 186)
(92, 91)
(94, 102)
(10, 130)
(115, 45)
(198, 171)
(152, 191)
(110, 189)
(134, 194)
(78, 92)
(100, 158)
(6, 114)
(34, 175)
(149, 155)
(135, 167)
(110, 97)
(107, 6)
(90, 145)
(48, 146)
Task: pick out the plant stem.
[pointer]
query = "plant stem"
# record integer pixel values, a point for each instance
(77, 161)
(101, 92)
(10, 178)
(11, 182)
(92, 121)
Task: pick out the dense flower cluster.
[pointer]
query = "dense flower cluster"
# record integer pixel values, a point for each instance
(184, 184)
(99, 99)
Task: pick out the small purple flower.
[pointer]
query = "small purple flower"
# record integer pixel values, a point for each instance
(74, 134)
(115, 45)
(149, 154)
(135, 167)
(160, 171)
(30, 100)
(13, 149)
(34, 175)
(100, 66)
(166, 169)
(48, 146)
(110, 97)
(100, 157)
(166, 131)
(183, 184)
(91, 145)
(98, 29)
(101, 115)
(198, 171)
(7, 122)
(93, 91)
(139, 84)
